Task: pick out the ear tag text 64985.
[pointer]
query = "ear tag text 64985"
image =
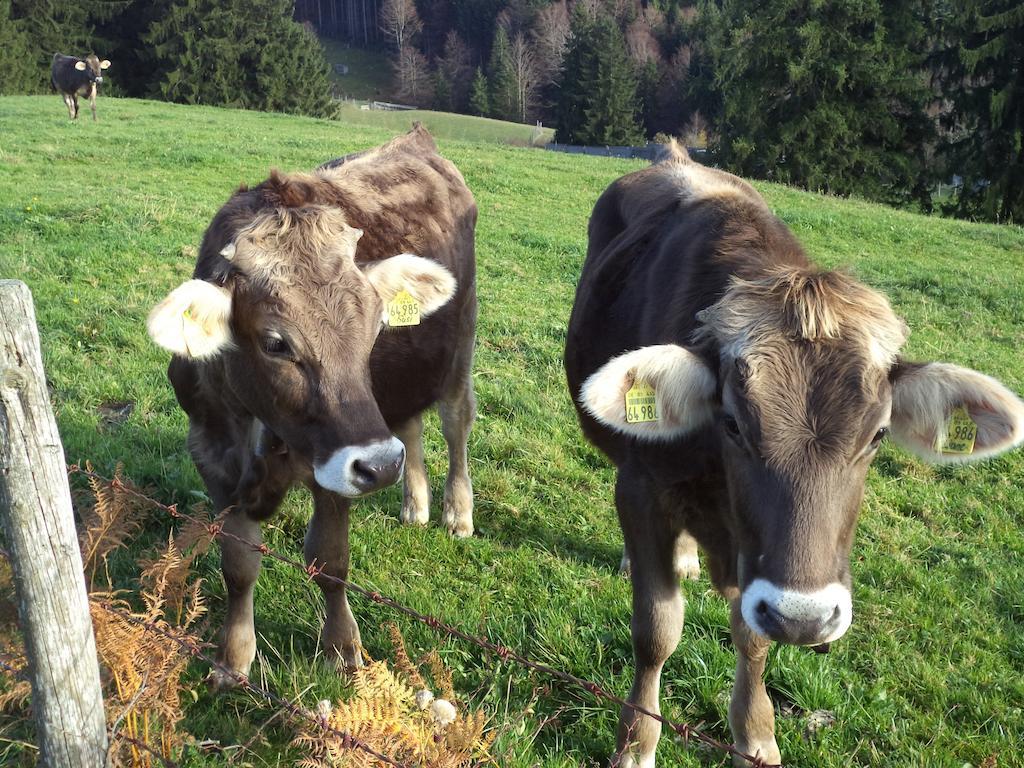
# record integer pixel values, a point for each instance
(961, 432)
(641, 404)
(403, 310)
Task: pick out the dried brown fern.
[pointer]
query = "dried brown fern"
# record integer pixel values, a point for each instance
(107, 523)
(141, 670)
(394, 713)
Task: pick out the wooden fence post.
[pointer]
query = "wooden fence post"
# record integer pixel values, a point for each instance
(39, 527)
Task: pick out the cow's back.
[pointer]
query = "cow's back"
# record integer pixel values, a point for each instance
(664, 243)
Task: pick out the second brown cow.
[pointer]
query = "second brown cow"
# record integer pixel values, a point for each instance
(742, 393)
(326, 312)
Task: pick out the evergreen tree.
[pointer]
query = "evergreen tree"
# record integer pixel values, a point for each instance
(479, 102)
(442, 92)
(647, 93)
(240, 53)
(502, 96)
(598, 89)
(829, 96)
(984, 73)
(20, 72)
(46, 27)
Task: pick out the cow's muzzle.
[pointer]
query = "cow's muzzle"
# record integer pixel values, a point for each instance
(357, 470)
(796, 617)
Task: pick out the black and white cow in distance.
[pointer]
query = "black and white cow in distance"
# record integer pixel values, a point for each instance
(73, 77)
(773, 384)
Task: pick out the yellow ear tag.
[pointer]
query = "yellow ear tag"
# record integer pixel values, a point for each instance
(187, 314)
(961, 434)
(641, 405)
(403, 310)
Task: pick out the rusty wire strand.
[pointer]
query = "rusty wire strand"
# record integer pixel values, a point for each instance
(216, 529)
(347, 740)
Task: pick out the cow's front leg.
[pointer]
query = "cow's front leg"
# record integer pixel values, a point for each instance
(256, 496)
(457, 410)
(327, 548)
(240, 564)
(685, 562)
(751, 716)
(416, 483)
(657, 614)
(92, 101)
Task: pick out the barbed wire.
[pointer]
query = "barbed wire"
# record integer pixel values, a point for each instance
(216, 530)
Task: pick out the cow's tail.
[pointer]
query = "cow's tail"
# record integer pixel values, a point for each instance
(673, 152)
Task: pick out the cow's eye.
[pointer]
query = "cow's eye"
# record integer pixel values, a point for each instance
(731, 427)
(276, 346)
(879, 437)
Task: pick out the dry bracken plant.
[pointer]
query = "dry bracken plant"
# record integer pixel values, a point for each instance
(395, 712)
(141, 669)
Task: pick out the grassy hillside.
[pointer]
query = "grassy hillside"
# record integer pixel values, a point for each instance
(101, 220)
(449, 125)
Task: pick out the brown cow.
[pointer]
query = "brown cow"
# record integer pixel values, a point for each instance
(73, 77)
(298, 355)
(773, 384)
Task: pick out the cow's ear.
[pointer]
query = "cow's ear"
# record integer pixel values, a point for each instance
(947, 414)
(105, 63)
(428, 283)
(80, 66)
(618, 394)
(193, 321)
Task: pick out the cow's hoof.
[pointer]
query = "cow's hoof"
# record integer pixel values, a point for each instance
(348, 660)
(412, 516)
(220, 680)
(625, 567)
(768, 752)
(458, 524)
(687, 567)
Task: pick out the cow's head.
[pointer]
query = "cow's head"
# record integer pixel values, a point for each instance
(93, 67)
(292, 319)
(803, 385)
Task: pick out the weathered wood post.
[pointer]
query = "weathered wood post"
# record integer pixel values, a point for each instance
(39, 528)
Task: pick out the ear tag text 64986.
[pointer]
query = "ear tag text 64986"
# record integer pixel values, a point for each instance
(403, 310)
(641, 404)
(961, 432)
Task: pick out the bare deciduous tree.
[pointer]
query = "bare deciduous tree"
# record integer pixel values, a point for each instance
(550, 34)
(400, 22)
(524, 73)
(454, 67)
(412, 76)
(642, 44)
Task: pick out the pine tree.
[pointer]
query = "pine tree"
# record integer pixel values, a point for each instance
(828, 96)
(479, 102)
(46, 27)
(984, 73)
(20, 71)
(598, 89)
(239, 53)
(442, 92)
(502, 96)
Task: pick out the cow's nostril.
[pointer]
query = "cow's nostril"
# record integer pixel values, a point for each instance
(365, 474)
(762, 608)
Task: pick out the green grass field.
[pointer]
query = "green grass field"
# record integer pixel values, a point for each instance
(448, 125)
(101, 220)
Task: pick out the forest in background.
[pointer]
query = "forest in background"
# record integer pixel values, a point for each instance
(848, 97)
